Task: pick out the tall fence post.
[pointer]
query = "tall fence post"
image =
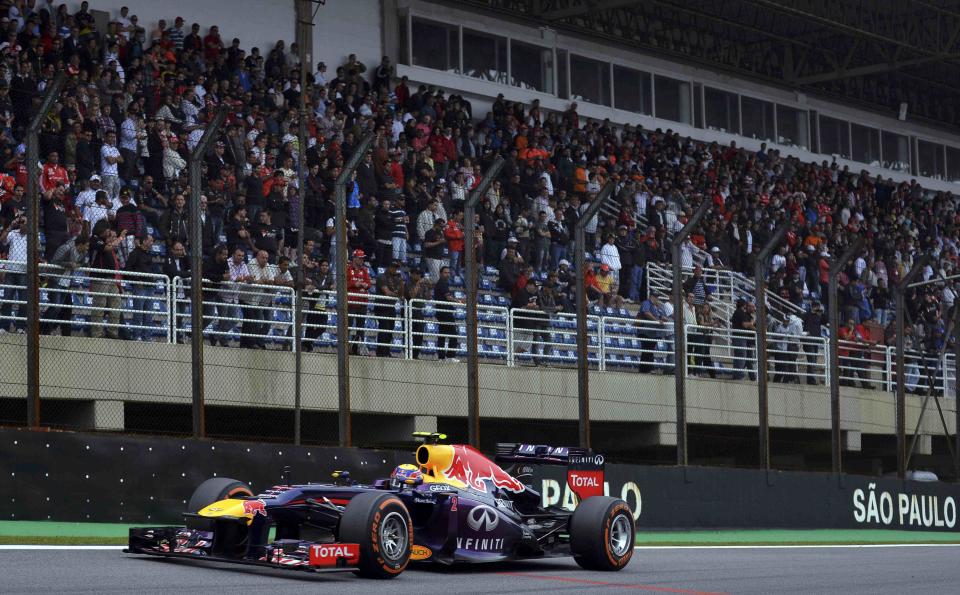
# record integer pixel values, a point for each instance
(583, 345)
(196, 271)
(33, 251)
(470, 254)
(834, 355)
(760, 288)
(679, 335)
(901, 410)
(304, 45)
(343, 319)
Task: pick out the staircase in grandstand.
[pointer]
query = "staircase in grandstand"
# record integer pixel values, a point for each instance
(726, 288)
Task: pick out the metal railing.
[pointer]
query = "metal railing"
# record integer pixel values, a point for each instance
(551, 338)
(438, 329)
(720, 352)
(90, 301)
(641, 345)
(252, 315)
(866, 365)
(151, 307)
(726, 288)
(376, 324)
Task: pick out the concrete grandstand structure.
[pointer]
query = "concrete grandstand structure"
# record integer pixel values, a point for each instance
(555, 54)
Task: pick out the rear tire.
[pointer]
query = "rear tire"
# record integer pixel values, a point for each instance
(602, 533)
(210, 491)
(381, 525)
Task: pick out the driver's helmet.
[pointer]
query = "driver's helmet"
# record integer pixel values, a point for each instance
(408, 474)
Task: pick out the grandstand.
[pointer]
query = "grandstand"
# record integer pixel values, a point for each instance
(771, 113)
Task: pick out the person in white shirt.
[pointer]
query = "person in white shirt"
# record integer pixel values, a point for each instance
(101, 209)
(687, 250)
(191, 111)
(396, 127)
(88, 197)
(15, 237)
(255, 300)
(320, 76)
(610, 256)
(110, 159)
(126, 27)
(541, 204)
(547, 182)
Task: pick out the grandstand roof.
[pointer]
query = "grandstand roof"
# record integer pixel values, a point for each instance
(873, 53)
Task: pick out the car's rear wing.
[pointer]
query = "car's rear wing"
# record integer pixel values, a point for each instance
(585, 469)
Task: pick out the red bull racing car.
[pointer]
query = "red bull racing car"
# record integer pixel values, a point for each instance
(454, 505)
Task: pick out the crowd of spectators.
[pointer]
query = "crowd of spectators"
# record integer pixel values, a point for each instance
(115, 191)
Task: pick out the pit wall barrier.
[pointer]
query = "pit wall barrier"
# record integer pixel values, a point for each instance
(123, 479)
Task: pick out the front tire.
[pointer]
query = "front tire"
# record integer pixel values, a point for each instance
(602, 533)
(381, 525)
(210, 491)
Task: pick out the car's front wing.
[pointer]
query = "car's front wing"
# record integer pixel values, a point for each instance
(181, 542)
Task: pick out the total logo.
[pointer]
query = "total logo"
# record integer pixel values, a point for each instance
(582, 481)
(322, 554)
(482, 518)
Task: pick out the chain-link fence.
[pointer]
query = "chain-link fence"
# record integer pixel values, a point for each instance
(115, 356)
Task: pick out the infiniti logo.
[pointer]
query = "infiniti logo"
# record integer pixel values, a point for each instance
(483, 518)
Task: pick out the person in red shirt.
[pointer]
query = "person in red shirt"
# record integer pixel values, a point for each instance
(358, 282)
(212, 45)
(442, 150)
(402, 91)
(7, 186)
(53, 174)
(853, 349)
(17, 166)
(454, 234)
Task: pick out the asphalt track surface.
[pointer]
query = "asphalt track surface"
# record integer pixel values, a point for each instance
(685, 571)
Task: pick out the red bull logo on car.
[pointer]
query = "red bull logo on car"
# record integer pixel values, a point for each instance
(254, 507)
(473, 469)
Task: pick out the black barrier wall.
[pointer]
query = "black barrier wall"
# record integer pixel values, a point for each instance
(123, 479)
(714, 497)
(83, 477)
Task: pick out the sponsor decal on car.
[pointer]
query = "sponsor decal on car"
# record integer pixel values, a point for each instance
(483, 519)
(470, 467)
(442, 487)
(585, 475)
(480, 544)
(254, 507)
(420, 552)
(327, 554)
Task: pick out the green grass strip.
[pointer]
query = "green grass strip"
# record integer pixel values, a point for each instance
(53, 540)
(61, 533)
(62, 530)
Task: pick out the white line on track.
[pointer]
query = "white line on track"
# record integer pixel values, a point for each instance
(61, 547)
(789, 547)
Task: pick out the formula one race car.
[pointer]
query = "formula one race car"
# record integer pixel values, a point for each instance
(455, 505)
